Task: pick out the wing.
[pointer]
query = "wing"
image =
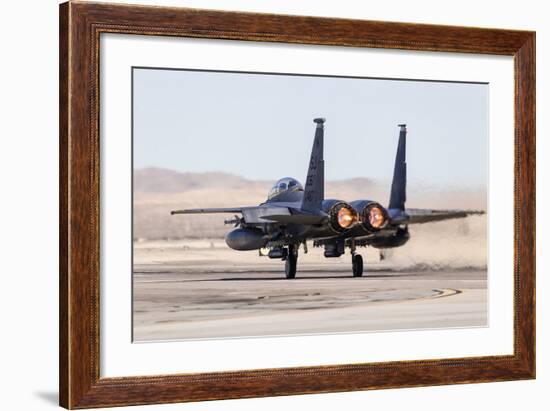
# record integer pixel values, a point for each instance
(421, 215)
(263, 214)
(210, 210)
(251, 215)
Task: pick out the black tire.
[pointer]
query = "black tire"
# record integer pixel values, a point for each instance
(291, 262)
(357, 265)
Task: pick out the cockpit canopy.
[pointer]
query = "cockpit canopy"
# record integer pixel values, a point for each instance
(285, 185)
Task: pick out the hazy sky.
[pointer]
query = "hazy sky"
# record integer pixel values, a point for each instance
(260, 126)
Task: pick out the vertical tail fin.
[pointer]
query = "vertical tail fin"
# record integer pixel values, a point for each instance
(398, 194)
(314, 190)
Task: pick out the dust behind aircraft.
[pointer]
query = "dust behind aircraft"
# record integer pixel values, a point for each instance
(293, 214)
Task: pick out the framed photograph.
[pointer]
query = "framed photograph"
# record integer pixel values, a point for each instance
(259, 205)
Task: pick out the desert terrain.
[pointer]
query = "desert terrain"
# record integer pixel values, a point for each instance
(188, 284)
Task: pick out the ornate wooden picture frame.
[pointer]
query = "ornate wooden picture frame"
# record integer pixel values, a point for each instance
(81, 24)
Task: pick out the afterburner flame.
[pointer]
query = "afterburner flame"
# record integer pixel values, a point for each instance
(346, 217)
(377, 218)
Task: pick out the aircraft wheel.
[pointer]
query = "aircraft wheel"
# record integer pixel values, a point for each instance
(357, 265)
(291, 262)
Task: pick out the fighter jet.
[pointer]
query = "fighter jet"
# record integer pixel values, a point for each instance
(293, 214)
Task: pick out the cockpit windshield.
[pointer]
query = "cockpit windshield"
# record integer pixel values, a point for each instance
(285, 185)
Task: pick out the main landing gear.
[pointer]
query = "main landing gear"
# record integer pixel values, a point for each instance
(291, 261)
(356, 261)
(289, 254)
(357, 265)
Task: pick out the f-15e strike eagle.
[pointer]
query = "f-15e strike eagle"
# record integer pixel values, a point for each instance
(292, 214)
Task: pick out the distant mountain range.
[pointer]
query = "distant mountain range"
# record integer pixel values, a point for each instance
(162, 180)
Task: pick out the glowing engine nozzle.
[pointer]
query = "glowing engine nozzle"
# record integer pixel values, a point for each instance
(342, 216)
(377, 217)
(346, 217)
(373, 216)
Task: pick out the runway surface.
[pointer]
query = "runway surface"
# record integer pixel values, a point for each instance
(202, 297)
